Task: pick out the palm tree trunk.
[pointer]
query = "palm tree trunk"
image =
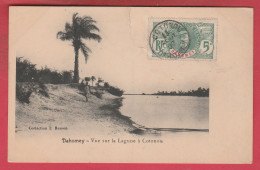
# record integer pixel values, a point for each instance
(76, 66)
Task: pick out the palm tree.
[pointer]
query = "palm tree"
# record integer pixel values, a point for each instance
(93, 78)
(81, 28)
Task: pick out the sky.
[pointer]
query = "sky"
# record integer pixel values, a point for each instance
(121, 58)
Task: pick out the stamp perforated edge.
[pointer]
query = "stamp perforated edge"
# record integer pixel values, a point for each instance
(180, 19)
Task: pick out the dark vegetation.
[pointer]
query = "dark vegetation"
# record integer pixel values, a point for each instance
(23, 94)
(113, 90)
(200, 92)
(27, 72)
(29, 79)
(43, 89)
(98, 89)
(25, 89)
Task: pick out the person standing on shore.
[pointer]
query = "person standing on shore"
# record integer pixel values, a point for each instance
(87, 89)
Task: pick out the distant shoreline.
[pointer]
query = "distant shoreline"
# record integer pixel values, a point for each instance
(159, 95)
(200, 92)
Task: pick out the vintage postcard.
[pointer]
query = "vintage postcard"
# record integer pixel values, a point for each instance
(130, 84)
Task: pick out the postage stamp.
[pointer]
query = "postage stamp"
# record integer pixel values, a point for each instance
(182, 38)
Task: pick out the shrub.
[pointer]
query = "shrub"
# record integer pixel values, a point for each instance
(81, 86)
(115, 91)
(97, 94)
(25, 71)
(100, 80)
(23, 94)
(47, 75)
(67, 77)
(87, 79)
(43, 89)
(106, 85)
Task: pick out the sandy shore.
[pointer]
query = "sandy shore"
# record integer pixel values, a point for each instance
(67, 112)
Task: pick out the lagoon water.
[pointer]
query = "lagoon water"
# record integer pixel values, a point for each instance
(167, 111)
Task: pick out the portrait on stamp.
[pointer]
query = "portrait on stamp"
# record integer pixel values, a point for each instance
(170, 39)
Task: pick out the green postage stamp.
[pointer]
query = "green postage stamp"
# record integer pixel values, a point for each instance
(182, 38)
